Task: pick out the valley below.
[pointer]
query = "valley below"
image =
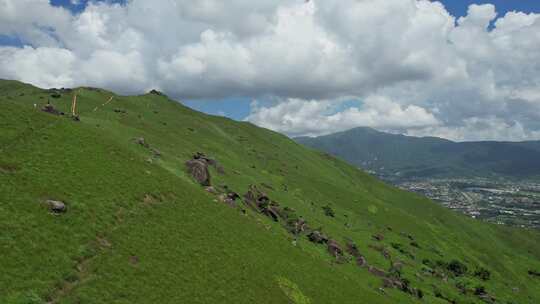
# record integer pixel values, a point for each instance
(503, 202)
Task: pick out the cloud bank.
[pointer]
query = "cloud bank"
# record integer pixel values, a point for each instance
(411, 66)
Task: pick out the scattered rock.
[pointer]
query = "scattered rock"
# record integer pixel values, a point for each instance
(392, 283)
(376, 271)
(382, 250)
(212, 190)
(199, 171)
(150, 199)
(56, 207)
(297, 226)
(209, 161)
(273, 212)
(233, 195)
(256, 198)
(334, 249)
(156, 92)
(141, 141)
(361, 261)
(267, 186)
(318, 237)
(224, 199)
(103, 242)
(534, 273)
(228, 198)
(134, 260)
(260, 202)
(49, 108)
(483, 295)
(352, 249)
(8, 168)
(378, 237)
(219, 169)
(156, 152)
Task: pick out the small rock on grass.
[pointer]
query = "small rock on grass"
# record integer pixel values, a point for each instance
(56, 207)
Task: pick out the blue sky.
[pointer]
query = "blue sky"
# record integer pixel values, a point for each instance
(459, 7)
(456, 7)
(78, 5)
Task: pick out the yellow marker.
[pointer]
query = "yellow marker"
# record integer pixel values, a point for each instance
(74, 104)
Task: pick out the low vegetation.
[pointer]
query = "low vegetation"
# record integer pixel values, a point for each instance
(157, 203)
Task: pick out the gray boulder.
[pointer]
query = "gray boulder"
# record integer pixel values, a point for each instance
(199, 171)
(56, 206)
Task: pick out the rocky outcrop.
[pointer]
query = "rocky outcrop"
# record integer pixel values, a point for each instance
(209, 161)
(260, 202)
(198, 169)
(376, 271)
(334, 249)
(318, 237)
(156, 92)
(353, 250)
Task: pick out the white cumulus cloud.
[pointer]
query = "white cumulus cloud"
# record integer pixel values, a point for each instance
(409, 62)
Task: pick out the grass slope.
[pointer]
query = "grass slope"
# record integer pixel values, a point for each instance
(430, 156)
(140, 230)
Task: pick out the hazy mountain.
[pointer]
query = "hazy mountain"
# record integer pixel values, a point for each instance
(408, 156)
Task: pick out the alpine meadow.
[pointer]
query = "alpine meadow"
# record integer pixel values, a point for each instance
(275, 222)
(269, 152)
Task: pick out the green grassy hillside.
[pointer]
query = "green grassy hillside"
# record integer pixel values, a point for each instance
(140, 229)
(421, 157)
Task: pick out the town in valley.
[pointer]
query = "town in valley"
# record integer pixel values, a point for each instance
(500, 201)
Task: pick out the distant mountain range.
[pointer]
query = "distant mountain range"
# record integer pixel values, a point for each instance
(409, 157)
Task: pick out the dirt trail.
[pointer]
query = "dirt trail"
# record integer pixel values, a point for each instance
(110, 99)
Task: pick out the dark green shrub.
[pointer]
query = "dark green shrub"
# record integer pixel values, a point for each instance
(328, 211)
(479, 291)
(419, 293)
(482, 273)
(457, 268)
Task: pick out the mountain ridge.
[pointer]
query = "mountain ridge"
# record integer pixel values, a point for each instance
(424, 157)
(138, 228)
